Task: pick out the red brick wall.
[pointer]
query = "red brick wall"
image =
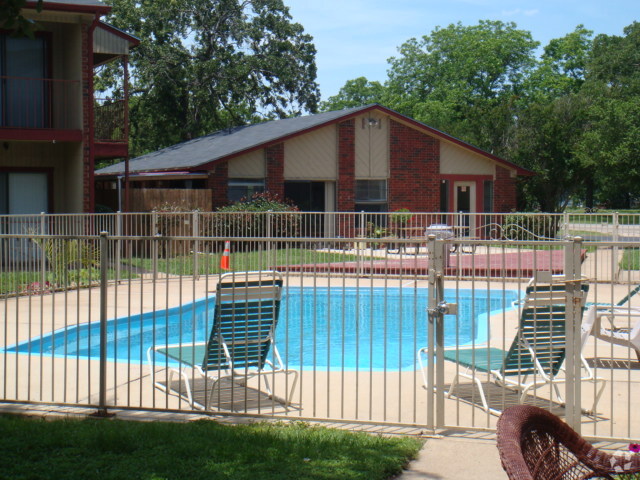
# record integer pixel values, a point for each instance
(504, 191)
(218, 182)
(414, 170)
(346, 187)
(274, 183)
(87, 119)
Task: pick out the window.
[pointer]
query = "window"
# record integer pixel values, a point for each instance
(487, 202)
(23, 193)
(444, 199)
(23, 88)
(371, 195)
(240, 188)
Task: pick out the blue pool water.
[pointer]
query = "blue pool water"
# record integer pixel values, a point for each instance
(336, 328)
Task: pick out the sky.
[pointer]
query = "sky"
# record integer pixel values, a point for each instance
(355, 38)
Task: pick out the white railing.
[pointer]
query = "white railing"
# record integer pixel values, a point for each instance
(354, 314)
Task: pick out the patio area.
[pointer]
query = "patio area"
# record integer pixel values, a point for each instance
(375, 396)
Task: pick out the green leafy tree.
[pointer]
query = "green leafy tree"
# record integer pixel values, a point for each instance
(202, 66)
(463, 79)
(355, 93)
(12, 18)
(545, 142)
(610, 147)
(550, 122)
(562, 67)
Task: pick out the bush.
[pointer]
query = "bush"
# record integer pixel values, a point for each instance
(529, 227)
(253, 218)
(401, 217)
(170, 216)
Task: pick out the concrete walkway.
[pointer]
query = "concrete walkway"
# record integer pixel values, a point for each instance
(457, 457)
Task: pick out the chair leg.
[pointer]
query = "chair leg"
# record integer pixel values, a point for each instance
(452, 387)
(603, 383)
(478, 383)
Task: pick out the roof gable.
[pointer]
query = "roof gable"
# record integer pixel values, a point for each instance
(198, 153)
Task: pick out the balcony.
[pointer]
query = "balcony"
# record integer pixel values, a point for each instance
(43, 109)
(40, 109)
(110, 132)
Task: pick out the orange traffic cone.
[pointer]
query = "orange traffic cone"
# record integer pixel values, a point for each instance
(225, 260)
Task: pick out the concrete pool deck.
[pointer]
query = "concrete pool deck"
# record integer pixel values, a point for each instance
(376, 397)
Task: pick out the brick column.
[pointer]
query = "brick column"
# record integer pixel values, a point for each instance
(346, 187)
(218, 182)
(274, 156)
(414, 170)
(504, 191)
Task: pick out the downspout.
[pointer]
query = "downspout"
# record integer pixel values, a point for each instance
(90, 113)
(126, 132)
(119, 180)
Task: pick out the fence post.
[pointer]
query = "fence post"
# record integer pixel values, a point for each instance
(43, 261)
(196, 244)
(436, 308)
(270, 254)
(118, 243)
(614, 251)
(573, 318)
(102, 393)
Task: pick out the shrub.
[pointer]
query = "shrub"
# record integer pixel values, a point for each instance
(517, 226)
(253, 218)
(401, 217)
(72, 262)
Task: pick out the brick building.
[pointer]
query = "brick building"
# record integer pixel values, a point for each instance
(52, 128)
(368, 158)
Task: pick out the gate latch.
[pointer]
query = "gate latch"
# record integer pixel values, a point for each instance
(443, 308)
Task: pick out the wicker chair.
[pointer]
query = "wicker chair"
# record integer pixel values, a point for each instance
(534, 444)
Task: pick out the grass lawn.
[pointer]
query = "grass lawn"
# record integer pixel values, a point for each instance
(625, 217)
(34, 448)
(29, 281)
(240, 261)
(630, 259)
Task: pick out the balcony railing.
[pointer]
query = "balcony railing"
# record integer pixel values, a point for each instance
(109, 120)
(40, 103)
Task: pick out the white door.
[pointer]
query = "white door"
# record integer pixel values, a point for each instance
(28, 194)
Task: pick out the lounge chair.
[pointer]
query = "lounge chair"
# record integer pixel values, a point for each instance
(241, 338)
(535, 444)
(538, 350)
(611, 331)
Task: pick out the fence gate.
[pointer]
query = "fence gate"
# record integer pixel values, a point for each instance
(561, 330)
(437, 307)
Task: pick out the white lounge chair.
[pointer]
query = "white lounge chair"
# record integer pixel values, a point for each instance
(605, 322)
(536, 354)
(240, 341)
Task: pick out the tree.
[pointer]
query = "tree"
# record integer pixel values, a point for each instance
(550, 121)
(462, 79)
(206, 65)
(610, 147)
(562, 67)
(11, 17)
(545, 142)
(355, 93)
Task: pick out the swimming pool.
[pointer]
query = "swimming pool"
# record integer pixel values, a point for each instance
(325, 328)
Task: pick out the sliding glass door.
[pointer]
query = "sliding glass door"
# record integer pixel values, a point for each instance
(24, 90)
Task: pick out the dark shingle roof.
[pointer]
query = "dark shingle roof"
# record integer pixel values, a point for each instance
(224, 143)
